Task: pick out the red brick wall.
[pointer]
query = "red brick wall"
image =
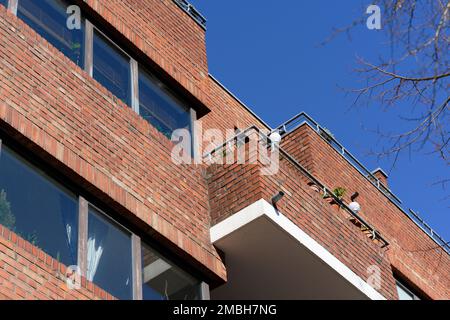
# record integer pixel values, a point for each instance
(26, 272)
(234, 187)
(411, 252)
(226, 111)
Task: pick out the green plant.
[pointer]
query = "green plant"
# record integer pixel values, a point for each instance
(6, 217)
(339, 192)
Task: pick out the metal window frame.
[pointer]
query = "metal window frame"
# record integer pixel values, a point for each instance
(136, 260)
(135, 69)
(83, 209)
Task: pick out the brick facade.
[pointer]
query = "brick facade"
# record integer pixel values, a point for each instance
(412, 254)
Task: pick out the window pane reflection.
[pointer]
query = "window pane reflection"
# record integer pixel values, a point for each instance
(37, 208)
(109, 256)
(112, 68)
(164, 281)
(49, 19)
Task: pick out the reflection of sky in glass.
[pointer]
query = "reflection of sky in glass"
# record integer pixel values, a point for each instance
(49, 19)
(113, 272)
(112, 68)
(159, 108)
(164, 281)
(45, 214)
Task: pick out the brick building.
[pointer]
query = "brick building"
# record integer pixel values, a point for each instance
(90, 95)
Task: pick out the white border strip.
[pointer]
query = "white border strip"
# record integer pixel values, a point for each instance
(263, 208)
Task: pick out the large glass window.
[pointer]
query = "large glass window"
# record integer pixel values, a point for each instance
(159, 107)
(37, 208)
(111, 67)
(109, 262)
(164, 281)
(49, 19)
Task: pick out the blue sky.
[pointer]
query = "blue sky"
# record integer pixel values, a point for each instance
(267, 53)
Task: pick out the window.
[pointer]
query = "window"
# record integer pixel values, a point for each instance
(49, 19)
(109, 262)
(4, 3)
(111, 67)
(404, 293)
(37, 208)
(164, 281)
(159, 107)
